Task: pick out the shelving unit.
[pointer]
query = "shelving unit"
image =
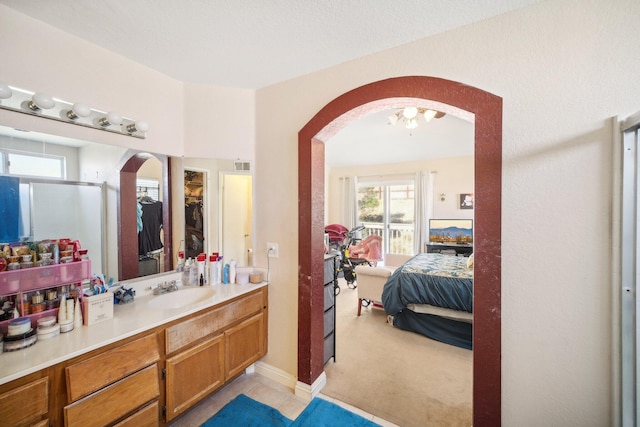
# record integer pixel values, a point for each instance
(330, 279)
(20, 282)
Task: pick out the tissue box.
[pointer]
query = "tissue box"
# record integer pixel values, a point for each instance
(97, 308)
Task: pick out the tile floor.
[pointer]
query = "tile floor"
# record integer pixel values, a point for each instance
(263, 390)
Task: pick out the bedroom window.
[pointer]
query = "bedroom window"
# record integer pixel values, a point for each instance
(388, 210)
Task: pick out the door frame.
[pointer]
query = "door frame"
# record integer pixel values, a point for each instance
(487, 112)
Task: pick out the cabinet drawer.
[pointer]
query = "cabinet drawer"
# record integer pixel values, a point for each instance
(85, 377)
(115, 401)
(329, 321)
(26, 404)
(329, 347)
(329, 269)
(196, 328)
(329, 295)
(145, 417)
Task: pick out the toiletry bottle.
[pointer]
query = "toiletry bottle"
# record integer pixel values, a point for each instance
(193, 274)
(225, 274)
(186, 271)
(180, 266)
(56, 253)
(201, 267)
(213, 268)
(219, 270)
(232, 271)
(62, 310)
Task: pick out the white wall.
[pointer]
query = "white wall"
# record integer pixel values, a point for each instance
(563, 69)
(454, 175)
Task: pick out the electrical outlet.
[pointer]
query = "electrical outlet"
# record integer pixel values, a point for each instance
(272, 250)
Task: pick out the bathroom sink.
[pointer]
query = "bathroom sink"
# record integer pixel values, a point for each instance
(181, 298)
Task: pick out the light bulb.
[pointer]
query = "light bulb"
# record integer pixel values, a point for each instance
(138, 126)
(112, 118)
(5, 91)
(41, 101)
(429, 114)
(78, 110)
(412, 123)
(410, 112)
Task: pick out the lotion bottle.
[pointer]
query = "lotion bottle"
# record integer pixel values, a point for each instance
(219, 270)
(232, 271)
(213, 269)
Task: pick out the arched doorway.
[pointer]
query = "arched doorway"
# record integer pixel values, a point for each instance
(487, 109)
(127, 201)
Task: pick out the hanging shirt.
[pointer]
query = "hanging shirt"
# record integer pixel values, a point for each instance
(149, 237)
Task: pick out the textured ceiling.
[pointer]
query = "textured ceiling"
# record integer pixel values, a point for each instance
(254, 43)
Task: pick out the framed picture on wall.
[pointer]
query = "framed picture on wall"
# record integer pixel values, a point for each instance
(466, 201)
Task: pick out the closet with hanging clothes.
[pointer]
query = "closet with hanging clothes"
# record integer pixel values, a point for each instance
(194, 213)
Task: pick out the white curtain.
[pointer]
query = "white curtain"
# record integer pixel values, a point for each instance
(424, 184)
(349, 201)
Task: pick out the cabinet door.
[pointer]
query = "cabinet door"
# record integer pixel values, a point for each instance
(25, 405)
(193, 374)
(244, 344)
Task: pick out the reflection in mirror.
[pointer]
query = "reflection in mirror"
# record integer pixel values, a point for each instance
(237, 217)
(219, 209)
(144, 215)
(83, 165)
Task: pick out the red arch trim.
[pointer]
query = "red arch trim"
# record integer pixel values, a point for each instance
(487, 109)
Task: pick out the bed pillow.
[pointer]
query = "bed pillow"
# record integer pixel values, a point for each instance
(470, 261)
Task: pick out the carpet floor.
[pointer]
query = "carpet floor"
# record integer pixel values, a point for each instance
(397, 375)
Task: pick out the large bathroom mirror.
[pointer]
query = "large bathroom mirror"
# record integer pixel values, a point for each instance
(212, 202)
(126, 179)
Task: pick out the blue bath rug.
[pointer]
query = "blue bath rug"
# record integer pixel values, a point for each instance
(322, 413)
(246, 412)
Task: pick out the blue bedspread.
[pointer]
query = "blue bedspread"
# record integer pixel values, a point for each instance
(435, 279)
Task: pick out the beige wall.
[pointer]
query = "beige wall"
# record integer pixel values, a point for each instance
(563, 68)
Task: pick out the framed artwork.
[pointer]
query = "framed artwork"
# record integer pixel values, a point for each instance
(466, 201)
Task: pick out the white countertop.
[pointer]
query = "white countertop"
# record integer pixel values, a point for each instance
(128, 320)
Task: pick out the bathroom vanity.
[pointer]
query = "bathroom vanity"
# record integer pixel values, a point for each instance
(145, 367)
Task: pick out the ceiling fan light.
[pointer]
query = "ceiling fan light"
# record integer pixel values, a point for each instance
(429, 114)
(411, 123)
(410, 112)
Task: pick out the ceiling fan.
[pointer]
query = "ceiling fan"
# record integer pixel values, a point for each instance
(409, 116)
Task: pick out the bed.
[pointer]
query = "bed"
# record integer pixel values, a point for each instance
(432, 294)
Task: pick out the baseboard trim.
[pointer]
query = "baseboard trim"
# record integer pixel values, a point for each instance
(300, 389)
(308, 392)
(275, 374)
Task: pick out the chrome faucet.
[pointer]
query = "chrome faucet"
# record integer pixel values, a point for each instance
(165, 287)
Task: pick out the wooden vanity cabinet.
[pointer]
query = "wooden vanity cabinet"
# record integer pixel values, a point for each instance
(132, 383)
(212, 347)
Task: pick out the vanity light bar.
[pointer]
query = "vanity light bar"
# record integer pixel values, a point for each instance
(42, 105)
